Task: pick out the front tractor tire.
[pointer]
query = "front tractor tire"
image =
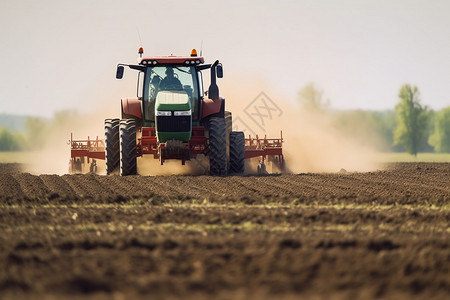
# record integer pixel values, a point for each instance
(128, 153)
(218, 163)
(237, 152)
(112, 148)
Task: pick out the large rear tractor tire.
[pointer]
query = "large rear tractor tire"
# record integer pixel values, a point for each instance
(128, 153)
(218, 164)
(112, 148)
(237, 152)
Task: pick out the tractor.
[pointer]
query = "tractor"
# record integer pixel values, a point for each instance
(172, 117)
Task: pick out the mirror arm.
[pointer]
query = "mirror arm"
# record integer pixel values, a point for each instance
(203, 67)
(138, 68)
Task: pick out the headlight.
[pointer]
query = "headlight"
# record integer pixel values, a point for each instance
(182, 113)
(163, 113)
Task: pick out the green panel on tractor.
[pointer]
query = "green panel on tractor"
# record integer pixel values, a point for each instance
(173, 127)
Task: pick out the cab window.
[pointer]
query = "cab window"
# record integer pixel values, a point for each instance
(170, 78)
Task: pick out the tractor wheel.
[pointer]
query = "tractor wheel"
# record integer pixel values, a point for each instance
(237, 151)
(217, 147)
(128, 153)
(112, 153)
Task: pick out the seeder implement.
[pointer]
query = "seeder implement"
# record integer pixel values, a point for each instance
(88, 151)
(85, 151)
(266, 149)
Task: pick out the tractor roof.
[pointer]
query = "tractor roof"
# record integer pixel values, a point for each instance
(171, 60)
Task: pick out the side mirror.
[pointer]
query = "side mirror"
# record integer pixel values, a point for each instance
(119, 72)
(219, 71)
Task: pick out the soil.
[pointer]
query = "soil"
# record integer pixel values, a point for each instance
(383, 234)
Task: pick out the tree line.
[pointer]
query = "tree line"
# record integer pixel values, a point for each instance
(410, 127)
(35, 133)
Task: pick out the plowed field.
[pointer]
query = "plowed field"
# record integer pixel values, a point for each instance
(383, 234)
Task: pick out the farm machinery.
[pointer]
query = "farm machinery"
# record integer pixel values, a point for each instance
(173, 118)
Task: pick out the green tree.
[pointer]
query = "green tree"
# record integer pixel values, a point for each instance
(412, 120)
(311, 98)
(374, 128)
(10, 140)
(440, 139)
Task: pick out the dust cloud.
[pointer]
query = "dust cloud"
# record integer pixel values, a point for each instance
(311, 142)
(147, 165)
(314, 145)
(54, 156)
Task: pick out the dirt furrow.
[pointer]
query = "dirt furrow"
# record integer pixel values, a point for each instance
(88, 186)
(10, 187)
(373, 235)
(32, 186)
(57, 186)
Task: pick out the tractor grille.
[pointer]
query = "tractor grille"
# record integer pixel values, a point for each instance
(173, 123)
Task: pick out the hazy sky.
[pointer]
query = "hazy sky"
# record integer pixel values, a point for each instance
(62, 54)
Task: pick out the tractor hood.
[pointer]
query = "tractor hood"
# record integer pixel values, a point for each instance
(172, 101)
(173, 116)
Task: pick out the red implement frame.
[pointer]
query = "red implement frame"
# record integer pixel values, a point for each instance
(85, 149)
(265, 148)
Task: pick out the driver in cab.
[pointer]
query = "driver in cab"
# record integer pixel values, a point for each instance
(170, 82)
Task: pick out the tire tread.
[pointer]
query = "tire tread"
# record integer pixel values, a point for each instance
(128, 153)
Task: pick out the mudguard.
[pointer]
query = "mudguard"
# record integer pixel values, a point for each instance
(212, 107)
(131, 107)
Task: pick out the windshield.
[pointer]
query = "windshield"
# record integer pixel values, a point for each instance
(170, 78)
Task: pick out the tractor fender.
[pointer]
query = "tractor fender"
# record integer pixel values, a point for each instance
(131, 107)
(212, 107)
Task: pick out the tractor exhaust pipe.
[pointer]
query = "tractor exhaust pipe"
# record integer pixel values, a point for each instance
(213, 90)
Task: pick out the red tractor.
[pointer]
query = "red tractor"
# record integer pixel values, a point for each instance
(173, 117)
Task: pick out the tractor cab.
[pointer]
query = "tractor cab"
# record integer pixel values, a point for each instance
(171, 84)
(171, 94)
